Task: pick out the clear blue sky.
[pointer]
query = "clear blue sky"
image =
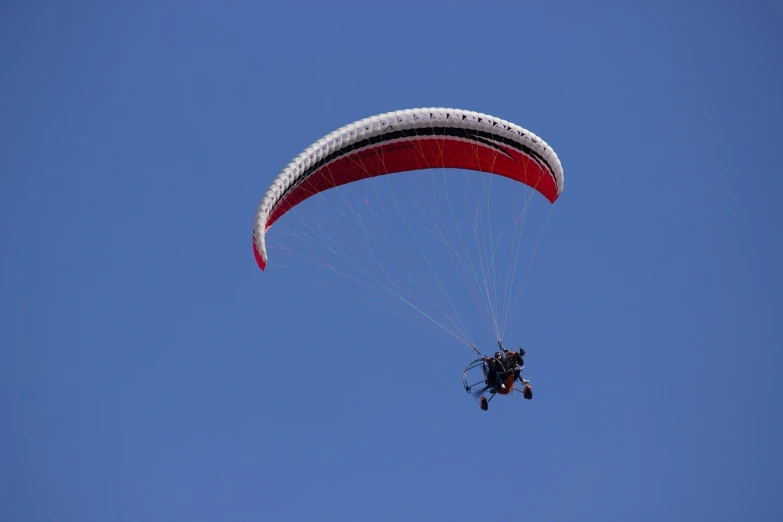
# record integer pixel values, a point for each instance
(145, 358)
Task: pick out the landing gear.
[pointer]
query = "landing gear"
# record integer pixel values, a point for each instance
(527, 392)
(484, 403)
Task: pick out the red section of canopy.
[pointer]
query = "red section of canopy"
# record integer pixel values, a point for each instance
(416, 154)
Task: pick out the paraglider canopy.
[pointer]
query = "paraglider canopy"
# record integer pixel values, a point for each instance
(409, 140)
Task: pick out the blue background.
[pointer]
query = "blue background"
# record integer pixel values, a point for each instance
(145, 358)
